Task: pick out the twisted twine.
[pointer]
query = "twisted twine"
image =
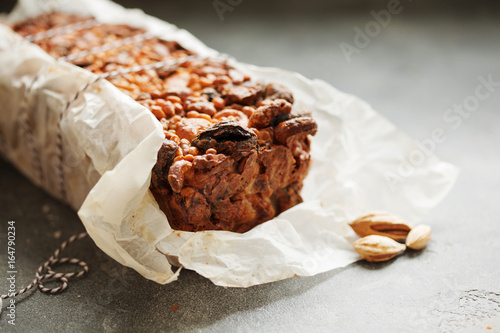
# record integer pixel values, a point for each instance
(45, 271)
(87, 24)
(109, 46)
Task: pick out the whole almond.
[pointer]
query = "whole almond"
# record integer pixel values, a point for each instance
(382, 224)
(377, 248)
(418, 237)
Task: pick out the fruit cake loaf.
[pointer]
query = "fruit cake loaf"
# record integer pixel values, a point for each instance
(236, 150)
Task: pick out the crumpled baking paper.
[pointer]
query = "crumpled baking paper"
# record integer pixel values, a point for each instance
(110, 144)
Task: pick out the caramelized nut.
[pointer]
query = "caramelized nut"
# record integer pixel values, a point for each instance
(174, 99)
(219, 103)
(189, 157)
(193, 151)
(158, 112)
(248, 110)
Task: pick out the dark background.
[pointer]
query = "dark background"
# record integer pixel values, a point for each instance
(426, 60)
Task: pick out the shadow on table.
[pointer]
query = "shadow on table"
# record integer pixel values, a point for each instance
(190, 303)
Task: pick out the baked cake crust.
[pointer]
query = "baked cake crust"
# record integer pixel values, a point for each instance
(236, 150)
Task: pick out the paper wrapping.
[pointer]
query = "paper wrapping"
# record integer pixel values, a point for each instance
(110, 144)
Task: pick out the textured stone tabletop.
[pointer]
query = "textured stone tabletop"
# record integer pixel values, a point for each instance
(428, 59)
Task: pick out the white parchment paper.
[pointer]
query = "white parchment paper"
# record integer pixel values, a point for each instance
(110, 144)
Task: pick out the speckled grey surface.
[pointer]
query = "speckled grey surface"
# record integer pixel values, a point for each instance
(427, 59)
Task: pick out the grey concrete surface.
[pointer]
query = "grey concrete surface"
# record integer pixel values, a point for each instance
(426, 60)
